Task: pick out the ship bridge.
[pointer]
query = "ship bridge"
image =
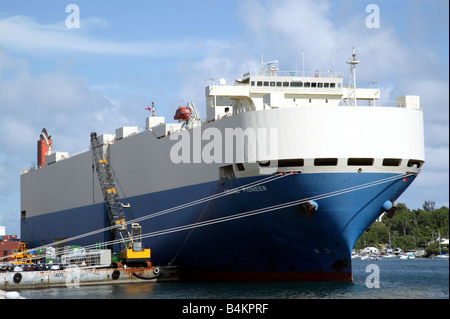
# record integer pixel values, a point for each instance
(269, 89)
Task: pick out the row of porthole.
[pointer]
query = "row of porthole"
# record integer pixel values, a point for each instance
(350, 162)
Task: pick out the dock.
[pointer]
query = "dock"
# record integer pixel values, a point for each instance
(73, 277)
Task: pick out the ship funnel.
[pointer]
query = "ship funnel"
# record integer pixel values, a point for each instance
(44, 147)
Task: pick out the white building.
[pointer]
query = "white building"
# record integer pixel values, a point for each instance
(371, 250)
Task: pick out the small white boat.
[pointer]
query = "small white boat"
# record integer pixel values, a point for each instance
(408, 256)
(441, 255)
(375, 258)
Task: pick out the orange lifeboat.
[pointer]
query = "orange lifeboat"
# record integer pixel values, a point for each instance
(183, 113)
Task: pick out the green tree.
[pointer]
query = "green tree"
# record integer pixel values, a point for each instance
(440, 218)
(404, 242)
(428, 206)
(409, 229)
(402, 221)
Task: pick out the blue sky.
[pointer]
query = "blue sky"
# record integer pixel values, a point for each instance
(127, 54)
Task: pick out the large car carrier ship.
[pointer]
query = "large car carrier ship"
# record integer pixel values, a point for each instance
(279, 181)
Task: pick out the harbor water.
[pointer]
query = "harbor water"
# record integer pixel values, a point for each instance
(373, 279)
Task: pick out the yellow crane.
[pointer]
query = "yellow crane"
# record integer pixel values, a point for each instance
(131, 251)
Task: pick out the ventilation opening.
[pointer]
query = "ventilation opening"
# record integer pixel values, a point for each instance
(264, 164)
(240, 167)
(226, 172)
(325, 161)
(415, 163)
(285, 163)
(291, 162)
(392, 162)
(360, 162)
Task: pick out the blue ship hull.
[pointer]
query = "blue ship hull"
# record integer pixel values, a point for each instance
(281, 244)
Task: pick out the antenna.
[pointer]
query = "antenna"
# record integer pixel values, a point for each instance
(271, 67)
(303, 62)
(331, 60)
(152, 109)
(261, 69)
(352, 78)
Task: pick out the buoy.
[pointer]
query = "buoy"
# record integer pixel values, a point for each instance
(387, 205)
(12, 295)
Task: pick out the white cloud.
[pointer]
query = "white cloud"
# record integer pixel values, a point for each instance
(26, 35)
(282, 29)
(61, 103)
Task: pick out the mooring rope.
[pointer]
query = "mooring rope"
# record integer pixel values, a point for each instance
(230, 217)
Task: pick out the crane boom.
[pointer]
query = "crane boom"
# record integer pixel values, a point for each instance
(110, 196)
(130, 243)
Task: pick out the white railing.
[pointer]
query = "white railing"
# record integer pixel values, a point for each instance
(311, 74)
(84, 150)
(376, 103)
